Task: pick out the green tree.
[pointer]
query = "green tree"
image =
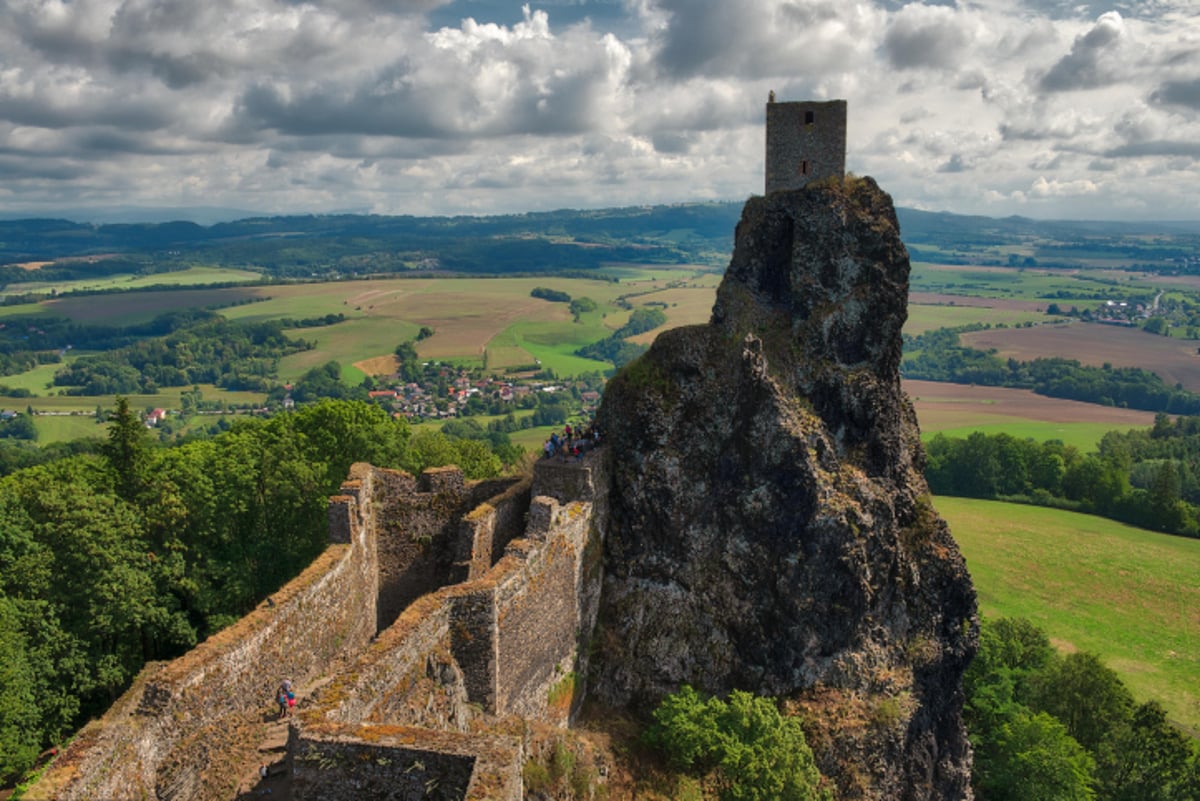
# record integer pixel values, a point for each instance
(1085, 695)
(19, 427)
(1166, 510)
(476, 459)
(20, 718)
(758, 754)
(1148, 759)
(429, 449)
(339, 433)
(408, 363)
(1033, 757)
(127, 450)
(581, 306)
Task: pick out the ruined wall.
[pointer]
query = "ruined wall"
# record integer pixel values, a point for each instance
(509, 641)
(487, 531)
(406, 763)
(537, 612)
(495, 644)
(178, 731)
(420, 530)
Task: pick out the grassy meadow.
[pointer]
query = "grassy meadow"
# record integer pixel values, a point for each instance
(1031, 283)
(1084, 436)
(1095, 585)
(193, 276)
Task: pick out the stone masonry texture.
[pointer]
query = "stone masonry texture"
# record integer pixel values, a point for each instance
(806, 142)
(408, 691)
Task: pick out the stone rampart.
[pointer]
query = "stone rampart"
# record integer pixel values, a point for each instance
(179, 730)
(538, 621)
(488, 530)
(418, 522)
(509, 639)
(402, 763)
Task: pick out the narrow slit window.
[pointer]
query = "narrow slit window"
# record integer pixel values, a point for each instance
(805, 167)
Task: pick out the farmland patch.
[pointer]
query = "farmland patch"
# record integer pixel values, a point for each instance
(1174, 360)
(941, 406)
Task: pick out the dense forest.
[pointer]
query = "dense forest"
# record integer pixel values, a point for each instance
(1055, 727)
(137, 552)
(176, 349)
(939, 356)
(1145, 477)
(231, 355)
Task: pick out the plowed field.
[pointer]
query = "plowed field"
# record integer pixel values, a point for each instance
(1175, 360)
(943, 406)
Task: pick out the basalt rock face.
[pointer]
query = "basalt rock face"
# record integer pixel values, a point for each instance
(769, 526)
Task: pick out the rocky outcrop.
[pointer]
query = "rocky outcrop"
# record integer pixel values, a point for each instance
(769, 525)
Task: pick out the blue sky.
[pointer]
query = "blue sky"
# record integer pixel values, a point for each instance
(1044, 108)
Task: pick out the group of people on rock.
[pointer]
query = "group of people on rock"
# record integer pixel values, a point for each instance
(573, 443)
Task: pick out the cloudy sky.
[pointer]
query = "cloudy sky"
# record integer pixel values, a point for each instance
(1045, 108)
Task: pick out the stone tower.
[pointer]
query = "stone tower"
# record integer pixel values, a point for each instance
(806, 141)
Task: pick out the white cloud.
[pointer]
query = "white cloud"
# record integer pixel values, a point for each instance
(1098, 58)
(1056, 188)
(987, 106)
(928, 36)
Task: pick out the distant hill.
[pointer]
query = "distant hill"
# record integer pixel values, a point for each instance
(557, 241)
(202, 215)
(922, 225)
(303, 246)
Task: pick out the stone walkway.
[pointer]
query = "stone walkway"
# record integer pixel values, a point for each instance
(272, 750)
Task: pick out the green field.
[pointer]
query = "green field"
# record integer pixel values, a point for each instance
(1129, 595)
(193, 276)
(64, 428)
(346, 343)
(38, 380)
(1018, 284)
(1084, 436)
(550, 343)
(60, 425)
(922, 317)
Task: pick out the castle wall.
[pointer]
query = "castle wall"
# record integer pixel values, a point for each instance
(420, 529)
(538, 620)
(806, 142)
(505, 641)
(509, 641)
(488, 529)
(405, 764)
(178, 731)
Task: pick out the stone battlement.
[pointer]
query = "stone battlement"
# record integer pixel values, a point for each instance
(449, 605)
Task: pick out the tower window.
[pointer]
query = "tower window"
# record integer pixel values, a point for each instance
(810, 117)
(805, 167)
